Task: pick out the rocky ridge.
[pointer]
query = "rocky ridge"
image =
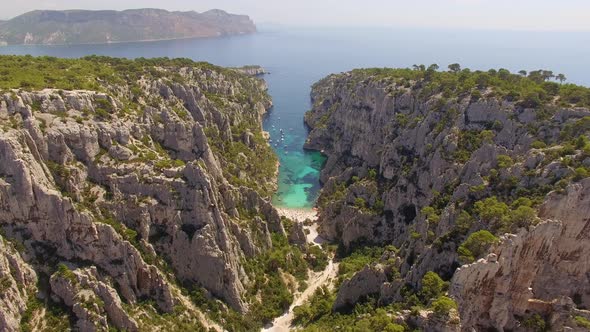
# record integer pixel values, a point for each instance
(424, 160)
(115, 194)
(51, 27)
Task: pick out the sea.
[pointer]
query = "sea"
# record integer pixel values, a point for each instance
(296, 57)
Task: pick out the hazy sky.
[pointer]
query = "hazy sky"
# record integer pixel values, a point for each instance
(476, 14)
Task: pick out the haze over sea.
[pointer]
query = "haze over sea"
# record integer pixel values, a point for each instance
(298, 57)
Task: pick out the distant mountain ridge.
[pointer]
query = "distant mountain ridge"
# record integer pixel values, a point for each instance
(50, 27)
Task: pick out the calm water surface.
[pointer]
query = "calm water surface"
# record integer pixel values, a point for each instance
(298, 57)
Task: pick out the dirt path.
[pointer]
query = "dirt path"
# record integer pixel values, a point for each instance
(315, 280)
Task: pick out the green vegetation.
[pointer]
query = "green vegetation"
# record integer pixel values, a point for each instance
(316, 315)
(88, 73)
(149, 319)
(504, 161)
(258, 161)
(476, 245)
(469, 141)
(5, 283)
(532, 90)
(358, 259)
(536, 323)
(56, 318)
(269, 294)
(582, 322)
(320, 304)
(65, 272)
(431, 215)
(443, 306)
(432, 286)
(126, 233)
(497, 197)
(242, 151)
(502, 218)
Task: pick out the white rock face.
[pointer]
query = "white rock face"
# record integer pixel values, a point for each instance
(366, 282)
(92, 300)
(17, 280)
(533, 271)
(117, 193)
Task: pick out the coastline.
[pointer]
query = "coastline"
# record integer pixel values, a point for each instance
(135, 41)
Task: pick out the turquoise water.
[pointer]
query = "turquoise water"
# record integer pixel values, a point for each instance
(299, 57)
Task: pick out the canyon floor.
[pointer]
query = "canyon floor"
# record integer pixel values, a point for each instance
(316, 279)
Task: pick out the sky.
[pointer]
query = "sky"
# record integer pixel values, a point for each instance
(544, 15)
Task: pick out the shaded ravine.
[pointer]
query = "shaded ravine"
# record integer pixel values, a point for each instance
(315, 280)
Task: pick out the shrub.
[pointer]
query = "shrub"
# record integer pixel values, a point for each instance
(432, 286)
(538, 145)
(443, 306)
(360, 203)
(492, 211)
(430, 213)
(464, 222)
(581, 173)
(582, 322)
(504, 161)
(475, 95)
(358, 259)
(476, 245)
(535, 323)
(319, 305)
(523, 216)
(66, 273)
(372, 174)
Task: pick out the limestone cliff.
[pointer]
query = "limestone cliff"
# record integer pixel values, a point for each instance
(117, 192)
(541, 272)
(429, 161)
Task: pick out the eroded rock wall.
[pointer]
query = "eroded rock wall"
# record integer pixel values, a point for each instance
(124, 184)
(407, 165)
(534, 272)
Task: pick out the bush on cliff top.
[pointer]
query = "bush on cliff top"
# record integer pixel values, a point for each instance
(476, 245)
(532, 90)
(35, 73)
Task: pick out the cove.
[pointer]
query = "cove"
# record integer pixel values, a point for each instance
(296, 58)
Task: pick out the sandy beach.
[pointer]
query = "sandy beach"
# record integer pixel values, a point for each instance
(299, 215)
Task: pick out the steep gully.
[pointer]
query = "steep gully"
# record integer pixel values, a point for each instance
(315, 280)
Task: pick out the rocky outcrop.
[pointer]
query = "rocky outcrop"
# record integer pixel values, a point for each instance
(427, 320)
(17, 280)
(93, 302)
(50, 27)
(122, 185)
(365, 283)
(420, 167)
(252, 70)
(534, 271)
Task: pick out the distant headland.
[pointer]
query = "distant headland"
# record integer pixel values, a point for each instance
(68, 27)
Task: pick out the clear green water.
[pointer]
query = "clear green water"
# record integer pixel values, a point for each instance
(299, 169)
(299, 57)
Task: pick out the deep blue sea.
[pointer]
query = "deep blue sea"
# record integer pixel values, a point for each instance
(297, 57)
